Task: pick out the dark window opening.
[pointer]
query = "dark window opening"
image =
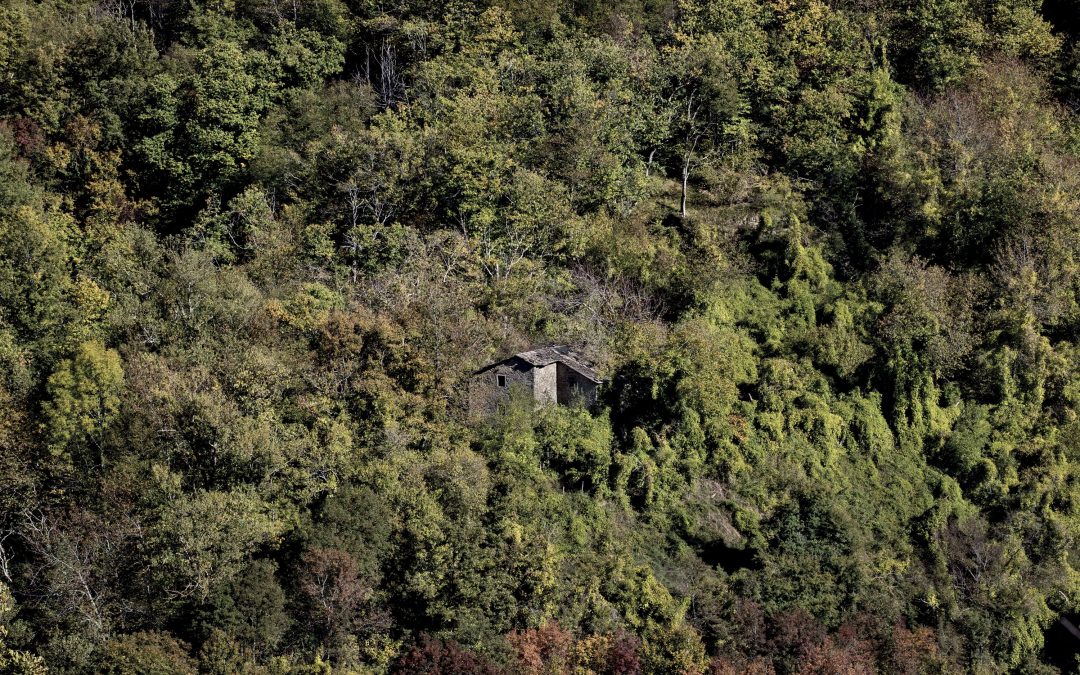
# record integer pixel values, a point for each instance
(501, 380)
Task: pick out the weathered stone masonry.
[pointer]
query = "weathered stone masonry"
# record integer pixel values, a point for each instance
(552, 375)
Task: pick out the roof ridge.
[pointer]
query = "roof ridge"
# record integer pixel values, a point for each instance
(545, 356)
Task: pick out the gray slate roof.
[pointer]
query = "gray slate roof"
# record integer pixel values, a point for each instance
(538, 358)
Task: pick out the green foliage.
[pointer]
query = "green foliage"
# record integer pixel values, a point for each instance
(150, 653)
(945, 39)
(204, 539)
(576, 445)
(250, 609)
(823, 255)
(12, 661)
(83, 399)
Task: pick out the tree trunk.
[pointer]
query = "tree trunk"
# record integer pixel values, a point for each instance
(686, 175)
(685, 179)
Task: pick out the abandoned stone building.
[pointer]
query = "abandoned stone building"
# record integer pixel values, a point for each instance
(551, 375)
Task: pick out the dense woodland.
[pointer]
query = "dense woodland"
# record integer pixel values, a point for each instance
(826, 255)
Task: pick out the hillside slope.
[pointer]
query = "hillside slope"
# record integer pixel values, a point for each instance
(825, 255)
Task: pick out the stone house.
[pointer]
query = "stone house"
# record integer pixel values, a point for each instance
(551, 375)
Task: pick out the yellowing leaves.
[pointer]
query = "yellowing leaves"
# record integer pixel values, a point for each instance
(84, 397)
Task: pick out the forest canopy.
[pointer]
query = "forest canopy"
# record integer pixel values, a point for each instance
(825, 255)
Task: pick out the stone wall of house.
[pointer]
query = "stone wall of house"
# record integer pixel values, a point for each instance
(545, 383)
(571, 383)
(553, 383)
(485, 394)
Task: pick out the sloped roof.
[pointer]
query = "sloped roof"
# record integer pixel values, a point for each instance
(538, 358)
